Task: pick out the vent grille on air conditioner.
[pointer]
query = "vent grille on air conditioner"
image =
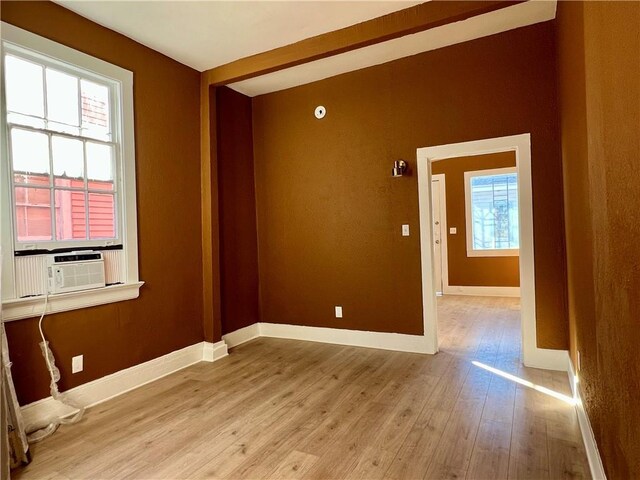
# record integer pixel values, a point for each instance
(71, 273)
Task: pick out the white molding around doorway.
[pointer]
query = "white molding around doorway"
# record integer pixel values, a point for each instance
(521, 145)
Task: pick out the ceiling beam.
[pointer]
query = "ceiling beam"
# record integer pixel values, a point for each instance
(416, 19)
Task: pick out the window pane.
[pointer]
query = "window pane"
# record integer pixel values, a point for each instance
(71, 221)
(25, 89)
(494, 204)
(102, 217)
(33, 214)
(95, 110)
(68, 162)
(62, 98)
(30, 156)
(99, 166)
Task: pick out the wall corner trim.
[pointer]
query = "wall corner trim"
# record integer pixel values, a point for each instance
(589, 440)
(214, 351)
(242, 335)
(89, 394)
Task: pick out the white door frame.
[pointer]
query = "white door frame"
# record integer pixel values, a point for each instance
(521, 145)
(444, 257)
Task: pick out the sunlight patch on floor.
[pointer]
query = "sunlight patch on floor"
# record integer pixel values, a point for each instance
(526, 383)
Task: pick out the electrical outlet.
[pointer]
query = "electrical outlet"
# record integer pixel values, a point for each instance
(77, 364)
(453, 231)
(338, 311)
(405, 230)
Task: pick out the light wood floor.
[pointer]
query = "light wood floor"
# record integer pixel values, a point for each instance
(289, 409)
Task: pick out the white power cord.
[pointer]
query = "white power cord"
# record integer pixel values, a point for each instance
(40, 433)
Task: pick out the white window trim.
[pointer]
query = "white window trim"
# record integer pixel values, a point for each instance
(114, 87)
(63, 302)
(14, 308)
(471, 252)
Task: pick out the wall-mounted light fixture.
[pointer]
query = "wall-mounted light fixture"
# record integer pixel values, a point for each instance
(399, 167)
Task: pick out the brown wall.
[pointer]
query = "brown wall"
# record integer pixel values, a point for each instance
(237, 211)
(463, 270)
(329, 213)
(599, 86)
(168, 314)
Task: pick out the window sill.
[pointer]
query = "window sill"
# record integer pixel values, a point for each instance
(32, 307)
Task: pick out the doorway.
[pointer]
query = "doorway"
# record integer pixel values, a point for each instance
(521, 145)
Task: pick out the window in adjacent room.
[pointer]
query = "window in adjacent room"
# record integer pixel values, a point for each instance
(491, 198)
(67, 165)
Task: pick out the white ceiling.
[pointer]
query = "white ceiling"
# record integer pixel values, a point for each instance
(206, 34)
(479, 26)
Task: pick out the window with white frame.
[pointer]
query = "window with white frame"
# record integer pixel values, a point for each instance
(68, 162)
(491, 199)
(62, 124)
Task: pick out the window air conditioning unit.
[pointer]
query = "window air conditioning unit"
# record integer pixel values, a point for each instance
(74, 271)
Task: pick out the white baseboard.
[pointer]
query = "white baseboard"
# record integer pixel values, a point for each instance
(214, 351)
(357, 338)
(39, 413)
(242, 335)
(593, 455)
(546, 359)
(482, 291)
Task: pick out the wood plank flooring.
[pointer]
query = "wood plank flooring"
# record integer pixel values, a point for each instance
(284, 409)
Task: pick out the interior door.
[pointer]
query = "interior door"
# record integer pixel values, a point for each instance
(437, 233)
